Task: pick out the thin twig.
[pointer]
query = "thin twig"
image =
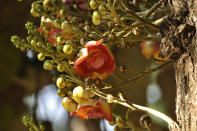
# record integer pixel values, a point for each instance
(140, 76)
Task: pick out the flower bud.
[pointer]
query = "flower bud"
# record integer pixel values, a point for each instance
(96, 18)
(34, 13)
(93, 4)
(48, 65)
(41, 56)
(102, 9)
(69, 105)
(60, 82)
(68, 49)
(66, 27)
(60, 68)
(60, 93)
(81, 96)
(33, 42)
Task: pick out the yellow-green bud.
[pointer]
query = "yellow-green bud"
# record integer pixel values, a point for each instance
(48, 65)
(66, 27)
(60, 93)
(33, 12)
(39, 44)
(41, 56)
(93, 4)
(102, 9)
(57, 23)
(60, 82)
(33, 42)
(69, 105)
(68, 49)
(60, 68)
(96, 18)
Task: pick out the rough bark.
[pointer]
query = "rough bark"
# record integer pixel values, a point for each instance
(179, 43)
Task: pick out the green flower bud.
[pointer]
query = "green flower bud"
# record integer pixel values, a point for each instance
(96, 18)
(48, 65)
(66, 27)
(60, 93)
(68, 49)
(60, 82)
(93, 4)
(57, 23)
(60, 68)
(34, 13)
(41, 56)
(102, 9)
(22, 48)
(62, 12)
(39, 44)
(33, 42)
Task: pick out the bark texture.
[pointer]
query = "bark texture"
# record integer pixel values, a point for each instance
(179, 43)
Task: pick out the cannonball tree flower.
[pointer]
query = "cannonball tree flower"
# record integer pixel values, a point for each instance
(51, 33)
(94, 110)
(149, 48)
(94, 59)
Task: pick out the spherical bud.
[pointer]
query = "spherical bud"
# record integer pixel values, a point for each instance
(59, 40)
(39, 44)
(41, 56)
(119, 121)
(60, 82)
(60, 93)
(69, 104)
(68, 49)
(60, 68)
(34, 13)
(62, 12)
(81, 95)
(66, 27)
(57, 23)
(145, 121)
(93, 4)
(96, 18)
(48, 65)
(102, 9)
(33, 42)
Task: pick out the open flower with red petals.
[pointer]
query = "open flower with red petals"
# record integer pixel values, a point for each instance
(95, 58)
(52, 33)
(94, 110)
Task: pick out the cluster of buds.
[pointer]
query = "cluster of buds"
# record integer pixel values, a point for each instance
(82, 104)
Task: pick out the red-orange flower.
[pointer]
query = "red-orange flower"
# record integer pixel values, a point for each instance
(149, 48)
(94, 58)
(100, 110)
(52, 32)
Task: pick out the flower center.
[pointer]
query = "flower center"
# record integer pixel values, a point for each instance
(96, 60)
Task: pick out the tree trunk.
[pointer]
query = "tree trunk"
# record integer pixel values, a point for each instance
(180, 44)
